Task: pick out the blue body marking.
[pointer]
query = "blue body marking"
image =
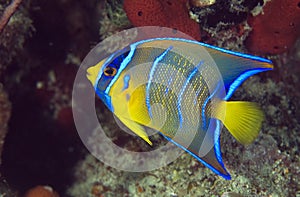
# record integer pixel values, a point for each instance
(169, 83)
(151, 74)
(216, 148)
(127, 97)
(237, 82)
(126, 82)
(204, 106)
(197, 94)
(191, 75)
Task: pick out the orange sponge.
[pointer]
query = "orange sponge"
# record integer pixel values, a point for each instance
(41, 191)
(276, 29)
(165, 13)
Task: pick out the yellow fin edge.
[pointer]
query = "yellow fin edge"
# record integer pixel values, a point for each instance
(136, 128)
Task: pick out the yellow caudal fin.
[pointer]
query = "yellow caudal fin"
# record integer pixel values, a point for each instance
(242, 119)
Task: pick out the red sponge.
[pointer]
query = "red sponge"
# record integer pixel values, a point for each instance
(276, 29)
(166, 13)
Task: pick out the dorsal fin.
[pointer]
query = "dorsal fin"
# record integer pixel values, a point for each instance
(236, 67)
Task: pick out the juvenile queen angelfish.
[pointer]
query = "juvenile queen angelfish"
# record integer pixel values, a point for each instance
(180, 88)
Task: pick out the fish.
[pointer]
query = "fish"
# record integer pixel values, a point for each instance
(181, 88)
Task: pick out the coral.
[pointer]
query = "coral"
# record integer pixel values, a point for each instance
(232, 38)
(113, 18)
(13, 36)
(5, 110)
(173, 14)
(276, 29)
(201, 3)
(41, 191)
(224, 23)
(8, 12)
(223, 14)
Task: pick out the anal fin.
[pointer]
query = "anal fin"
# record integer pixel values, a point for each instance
(205, 147)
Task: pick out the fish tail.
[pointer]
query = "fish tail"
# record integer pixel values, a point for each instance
(242, 119)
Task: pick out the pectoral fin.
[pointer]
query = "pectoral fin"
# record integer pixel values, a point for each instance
(137, 106)
(236, 67)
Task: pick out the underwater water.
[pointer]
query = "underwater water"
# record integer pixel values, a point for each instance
(41, 50)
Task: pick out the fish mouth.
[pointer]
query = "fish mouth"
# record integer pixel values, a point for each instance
(93, 72)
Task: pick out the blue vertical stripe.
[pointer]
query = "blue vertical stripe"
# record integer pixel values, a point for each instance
(204, 106)
(191, 75)
(151, 74)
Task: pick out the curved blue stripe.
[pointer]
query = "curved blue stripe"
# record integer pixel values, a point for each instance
(217, 150)
(237, 53)
(204, 106)
(122, 67)
(151, 74)
(241, 79)
(183, 89)
(217, 142)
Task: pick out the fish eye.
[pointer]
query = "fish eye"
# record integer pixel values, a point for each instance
(110, 71)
